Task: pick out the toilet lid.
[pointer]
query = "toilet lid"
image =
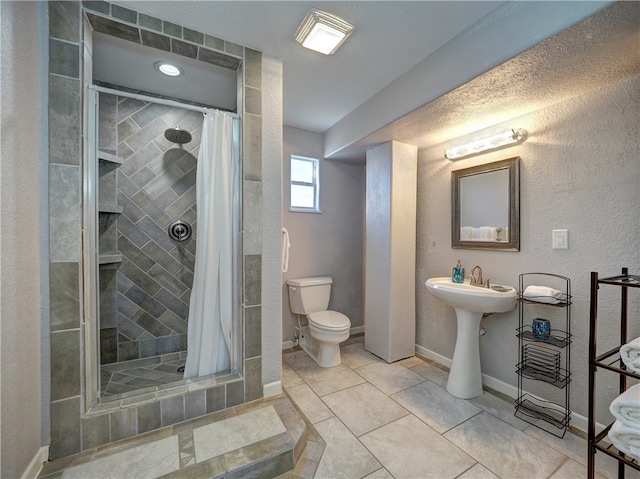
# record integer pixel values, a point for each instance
(330, 320)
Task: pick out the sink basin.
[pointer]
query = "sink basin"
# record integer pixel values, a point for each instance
(475, 299)
(470, 303)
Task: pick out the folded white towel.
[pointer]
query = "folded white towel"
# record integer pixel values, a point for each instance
(487, 232)
(626, 407)
(543, 294)
(466, 232)
(626, 439)
(634, 447)
(630, 355)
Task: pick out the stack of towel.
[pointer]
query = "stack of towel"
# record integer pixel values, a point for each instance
(483, 233)
(625, 432)
(543, 294)
(630, 355)
(466, 232)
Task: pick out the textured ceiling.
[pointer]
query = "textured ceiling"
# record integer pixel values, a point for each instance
(599, 51)
(390, 37)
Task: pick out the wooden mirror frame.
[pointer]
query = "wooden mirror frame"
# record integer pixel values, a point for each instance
(513, 244)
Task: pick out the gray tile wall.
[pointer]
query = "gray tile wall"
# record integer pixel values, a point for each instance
(144, 304)
(73, 429)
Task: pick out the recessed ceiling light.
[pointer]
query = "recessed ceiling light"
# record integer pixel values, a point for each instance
(168, 69)
(322, 32)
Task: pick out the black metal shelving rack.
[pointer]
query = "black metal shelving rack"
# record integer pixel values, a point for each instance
(548, 360)
(610, 361)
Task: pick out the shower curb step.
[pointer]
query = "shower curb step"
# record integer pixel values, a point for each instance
(293, 453)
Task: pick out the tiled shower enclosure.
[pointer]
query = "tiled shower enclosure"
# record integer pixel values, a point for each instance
(73, 420)
(145, 276)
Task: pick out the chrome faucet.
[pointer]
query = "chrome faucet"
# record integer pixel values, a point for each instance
(476, 281)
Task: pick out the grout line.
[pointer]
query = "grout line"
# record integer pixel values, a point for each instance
(481, 410)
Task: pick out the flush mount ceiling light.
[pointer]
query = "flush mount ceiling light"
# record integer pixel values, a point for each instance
(507, 138)
(168, 69)
(322, 32)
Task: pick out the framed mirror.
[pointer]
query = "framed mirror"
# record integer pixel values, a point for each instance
(485, 201)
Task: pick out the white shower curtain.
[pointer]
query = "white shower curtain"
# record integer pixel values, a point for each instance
(211, 305)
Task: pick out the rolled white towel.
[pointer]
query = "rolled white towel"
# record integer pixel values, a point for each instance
(543, 294)
(486, 233)
(626, 439)
(630, 355)
(466, 232)
(626, 407)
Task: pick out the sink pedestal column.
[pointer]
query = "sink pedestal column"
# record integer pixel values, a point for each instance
(465, 377)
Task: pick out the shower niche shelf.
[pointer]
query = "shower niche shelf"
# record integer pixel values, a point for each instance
(115, 209)
(109, 158)
(109, 258)
(107, 207)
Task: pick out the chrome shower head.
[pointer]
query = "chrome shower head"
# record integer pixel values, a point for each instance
(177, 135)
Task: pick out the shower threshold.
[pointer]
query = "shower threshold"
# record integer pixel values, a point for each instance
(223, 444)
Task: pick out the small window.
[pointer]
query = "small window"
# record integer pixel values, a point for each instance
(305, 184)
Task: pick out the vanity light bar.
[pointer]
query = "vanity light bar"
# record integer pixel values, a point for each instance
(507, 138)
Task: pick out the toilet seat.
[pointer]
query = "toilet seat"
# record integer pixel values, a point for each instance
(329, 320)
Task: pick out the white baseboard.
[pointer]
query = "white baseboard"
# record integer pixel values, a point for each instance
(272, 389)
(438, 358)
(288, 344)
(35, 466)
(578, 421)
(357, 330)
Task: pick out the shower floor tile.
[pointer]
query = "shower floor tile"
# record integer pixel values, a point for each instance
(127, 376)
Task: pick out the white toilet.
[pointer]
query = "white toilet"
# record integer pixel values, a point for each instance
(325, 331)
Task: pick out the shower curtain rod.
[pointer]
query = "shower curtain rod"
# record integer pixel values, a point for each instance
(160, 101)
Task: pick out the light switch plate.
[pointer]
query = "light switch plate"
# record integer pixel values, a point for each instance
(560, 239)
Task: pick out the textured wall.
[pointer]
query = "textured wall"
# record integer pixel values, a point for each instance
(466, 56)
(20, 384)
(579, 171)
(330, 243)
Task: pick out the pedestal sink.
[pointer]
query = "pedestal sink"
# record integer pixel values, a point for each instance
(470, 303)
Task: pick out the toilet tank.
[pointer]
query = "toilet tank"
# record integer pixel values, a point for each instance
(309, 295)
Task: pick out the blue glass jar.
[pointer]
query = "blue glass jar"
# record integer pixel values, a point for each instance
(541, 328)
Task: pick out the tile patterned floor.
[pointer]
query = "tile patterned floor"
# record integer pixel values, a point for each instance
(371, 420)
(397, 421)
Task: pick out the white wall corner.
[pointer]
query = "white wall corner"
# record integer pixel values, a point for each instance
(272, 389)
